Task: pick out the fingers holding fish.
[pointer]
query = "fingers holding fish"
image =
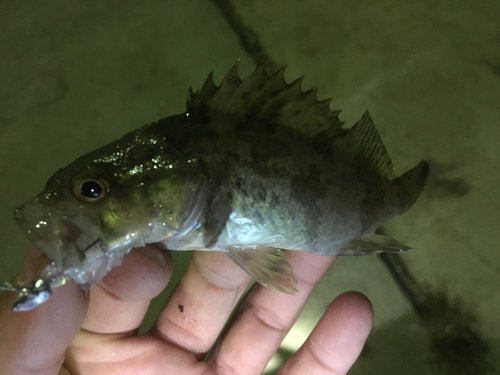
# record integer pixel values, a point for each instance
(337, 340)
(120, 300)
(202, 302)
(266, 316)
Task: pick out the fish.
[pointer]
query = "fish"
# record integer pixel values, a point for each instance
(253, 167)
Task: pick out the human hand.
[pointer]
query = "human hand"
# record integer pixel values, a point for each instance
(96, 333)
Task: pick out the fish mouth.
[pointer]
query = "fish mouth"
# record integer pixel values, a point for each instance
(70, 241)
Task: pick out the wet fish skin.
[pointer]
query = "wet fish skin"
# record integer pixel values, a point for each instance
(253, 166)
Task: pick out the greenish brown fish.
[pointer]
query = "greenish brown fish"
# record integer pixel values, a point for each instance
(252, 167)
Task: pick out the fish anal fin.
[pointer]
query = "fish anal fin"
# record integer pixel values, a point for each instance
(267, 265)
(371, 244)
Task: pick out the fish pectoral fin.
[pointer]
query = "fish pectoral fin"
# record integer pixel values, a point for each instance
(372, 244)
(216, 218)
(267, 265)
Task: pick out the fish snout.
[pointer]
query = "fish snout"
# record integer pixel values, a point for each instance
(32, 217)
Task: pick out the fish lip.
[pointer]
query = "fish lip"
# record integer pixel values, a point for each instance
(45, 228)
(63, 239)
(29, 217)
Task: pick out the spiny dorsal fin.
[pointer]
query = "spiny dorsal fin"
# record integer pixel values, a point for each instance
(363, 139)
(265, 96)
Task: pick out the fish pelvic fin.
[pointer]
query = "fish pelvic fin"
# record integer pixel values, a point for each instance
(267, 265)
(371, 244)
(411, 184)
(265, 98)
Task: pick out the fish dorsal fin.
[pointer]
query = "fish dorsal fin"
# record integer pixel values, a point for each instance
(364, 140)
(265, 96)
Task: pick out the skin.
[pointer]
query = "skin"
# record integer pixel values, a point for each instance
(96, 333)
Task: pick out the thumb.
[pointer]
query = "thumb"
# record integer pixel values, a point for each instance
(34, 342)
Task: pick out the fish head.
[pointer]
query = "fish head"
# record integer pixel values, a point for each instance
(92, 212)
(79, 223)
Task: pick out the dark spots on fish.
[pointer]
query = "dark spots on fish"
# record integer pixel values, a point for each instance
(202, 120)
(309, 186)
(312, 229)
(236, 134)
(243, 129)
(264, 149)
(205, 131)
(235, 157)
(258, 156)
(299, 187)
(257, 216)
(322, 148)
(181, 308)
(274, 200)
(256, 191)
(251, 189)
(277, 169)
(306, 189)
(261, 193)
(181, 128)
(315, 176)
(263, 140)
(267, 126)
(270, 127)
(209, 134)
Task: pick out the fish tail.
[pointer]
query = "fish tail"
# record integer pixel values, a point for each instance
(411, 184)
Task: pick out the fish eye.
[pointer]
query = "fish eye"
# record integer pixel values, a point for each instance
(91, 190)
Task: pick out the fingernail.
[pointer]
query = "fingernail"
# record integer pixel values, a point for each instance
(154, 253)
